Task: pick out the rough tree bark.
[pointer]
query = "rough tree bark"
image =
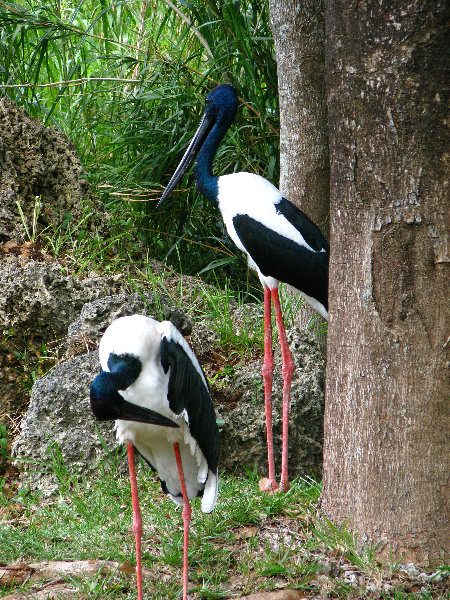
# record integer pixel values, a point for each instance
(387, 411)
(299, 39)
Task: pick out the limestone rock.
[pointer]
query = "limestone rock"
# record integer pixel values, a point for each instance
(43, 298)
(96, 316)
(40, 171)
(243, 437)
(37, 304)
(59, 413)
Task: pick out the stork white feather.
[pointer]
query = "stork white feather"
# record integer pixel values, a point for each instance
(154, 388)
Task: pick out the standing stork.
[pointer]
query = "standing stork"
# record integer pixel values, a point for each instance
(281, 244)
(152, 385)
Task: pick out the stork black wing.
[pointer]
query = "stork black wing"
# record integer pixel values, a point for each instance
(279, 257)
(296, 217)
(188, 391)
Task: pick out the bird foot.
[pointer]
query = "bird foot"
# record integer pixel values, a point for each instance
(267, 485)
(271, 487)
(283, 487)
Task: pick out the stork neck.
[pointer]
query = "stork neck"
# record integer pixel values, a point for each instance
(206, 181)
(124, 369)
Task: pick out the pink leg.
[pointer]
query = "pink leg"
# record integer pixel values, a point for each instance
(186, 518)
(267, 372)
(287, 370)
(137, 520)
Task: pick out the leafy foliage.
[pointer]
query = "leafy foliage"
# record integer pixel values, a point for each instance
(126, 82)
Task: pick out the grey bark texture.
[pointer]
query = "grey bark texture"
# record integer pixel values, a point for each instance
(387, 412)
(299, 40)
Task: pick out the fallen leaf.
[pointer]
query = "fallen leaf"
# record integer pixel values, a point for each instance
(299, 515)
(127, 568)
(31, 250)
(248, 532)
(55, 568)
(11, 246)
(31, 246)
(288, 521)
(278, 595)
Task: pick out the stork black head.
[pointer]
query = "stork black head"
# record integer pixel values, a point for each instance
(220, 109)
(222, 101)
(108, 404)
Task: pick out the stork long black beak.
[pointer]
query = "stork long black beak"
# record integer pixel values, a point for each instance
(131, 412)
(189, 156)
(108, 405)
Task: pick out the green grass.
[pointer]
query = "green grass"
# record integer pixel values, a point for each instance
(93, 520)
(251, 541)
(241, 340)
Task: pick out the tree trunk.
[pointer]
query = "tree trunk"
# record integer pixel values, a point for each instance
(387, 412)
(299, 39)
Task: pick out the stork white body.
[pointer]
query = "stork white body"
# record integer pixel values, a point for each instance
(152, 381)
(254, 196)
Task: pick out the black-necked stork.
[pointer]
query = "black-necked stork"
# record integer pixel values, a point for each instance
(281, 244)
(153, 386)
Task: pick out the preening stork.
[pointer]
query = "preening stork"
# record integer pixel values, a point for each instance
(281, 244)
(152, 385)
